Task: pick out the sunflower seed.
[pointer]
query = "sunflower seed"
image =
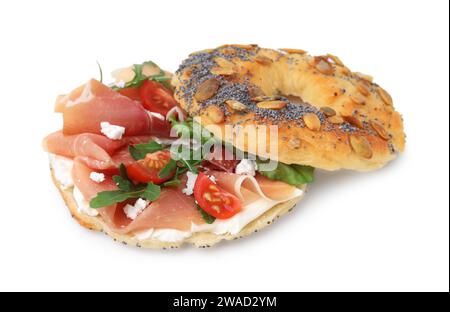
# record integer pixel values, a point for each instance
(221, 71)
(336, 119)
(294, 51)
(312, 121)
(215, 114)
(358, 99)
(378, 127)
(361, 146)
(272, 104)
(328, 111)
(386, 97)
(236, 105)
(224, 63)
(363, 88)
(207, 89)
(353, 121)
(266, 98)
(336, 60)
(324, 67)
(263, 60)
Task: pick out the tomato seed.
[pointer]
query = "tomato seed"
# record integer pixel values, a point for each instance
(207, 196)
(213, 188)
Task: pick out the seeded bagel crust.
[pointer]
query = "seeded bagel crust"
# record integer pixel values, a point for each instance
(329, 117)
(200, 240)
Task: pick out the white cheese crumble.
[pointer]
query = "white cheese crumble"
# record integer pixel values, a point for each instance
(111, 131)
(97, 177)
(247, 167)
(120, 84)
(133, 211)
(213, 178)
(82, 204)
(62, 169)
(190, 183)
(156, 115)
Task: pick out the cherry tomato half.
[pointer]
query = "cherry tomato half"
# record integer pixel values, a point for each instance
(214, 200)
(157, 98)
(132, 93)
(148, 169)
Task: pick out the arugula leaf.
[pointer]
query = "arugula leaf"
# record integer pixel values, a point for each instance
(151, 192)
(139, 77)
(175, 181)
(291, 174)
(167, 170)
(127, 190)
(191, 165)
(123, 184)
(172, 183)
(209, 219)
(123, 172)
(196, 131)
(139, 151)
(108, 198)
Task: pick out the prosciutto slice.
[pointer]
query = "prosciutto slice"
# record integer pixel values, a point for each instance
(87, 106)
(96, 151)
(250, 189)
(172, 210)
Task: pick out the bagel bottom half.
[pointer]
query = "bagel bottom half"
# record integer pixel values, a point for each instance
(199, 239)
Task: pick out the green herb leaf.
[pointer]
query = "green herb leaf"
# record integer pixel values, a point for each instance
(139, 77)
(209, 219)
(168, 169)
(139, 151)
(291, 174)
(151, 192)
(108, 198)
(172, 183)
(191, 165)
(127, 190)
(123, 184)
(123, 172)
(195, 130)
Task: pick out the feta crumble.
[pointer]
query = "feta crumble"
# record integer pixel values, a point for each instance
(111, 131)
(120, 84)
(190, 183)
(247, 167)
(97, 177)
(156, 115)
(133, 211)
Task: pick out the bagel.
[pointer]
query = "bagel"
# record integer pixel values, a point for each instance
(327, 116)
(198, 239)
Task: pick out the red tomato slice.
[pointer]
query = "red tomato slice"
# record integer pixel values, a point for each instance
(214, 200)
(148, 169)
(132, 93)
(157, 98)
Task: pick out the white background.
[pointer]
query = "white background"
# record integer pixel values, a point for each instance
(387, 230)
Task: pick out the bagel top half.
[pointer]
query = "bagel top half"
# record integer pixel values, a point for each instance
(327, 116)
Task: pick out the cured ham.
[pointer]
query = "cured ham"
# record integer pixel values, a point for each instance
(89, 189)
(87, 106)
(172, 209)
(96, 151)
(250, 189)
